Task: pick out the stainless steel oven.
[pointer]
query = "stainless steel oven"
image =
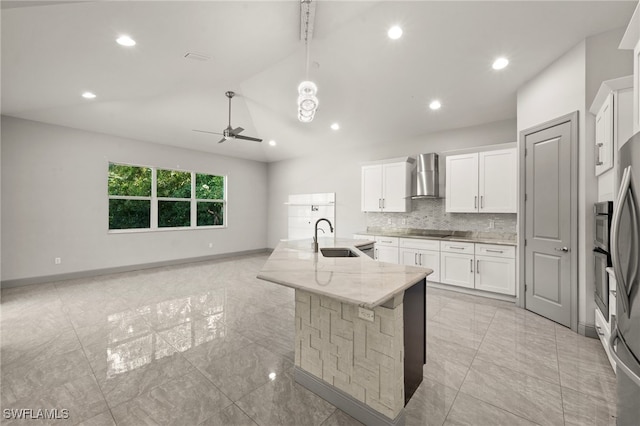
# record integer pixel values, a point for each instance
(602, 215)
(601, 281)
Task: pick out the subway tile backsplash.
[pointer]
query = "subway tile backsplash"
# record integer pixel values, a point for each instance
(430, 214)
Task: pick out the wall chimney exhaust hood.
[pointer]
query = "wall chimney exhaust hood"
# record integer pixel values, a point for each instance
(426, 177)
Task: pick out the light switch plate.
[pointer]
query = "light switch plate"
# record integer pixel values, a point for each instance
(366, 314)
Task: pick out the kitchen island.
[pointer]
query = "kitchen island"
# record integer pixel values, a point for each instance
(360, 326)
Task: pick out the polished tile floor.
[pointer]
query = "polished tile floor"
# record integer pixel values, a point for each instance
(209, 344)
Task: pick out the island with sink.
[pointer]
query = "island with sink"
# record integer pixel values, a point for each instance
(360, 325)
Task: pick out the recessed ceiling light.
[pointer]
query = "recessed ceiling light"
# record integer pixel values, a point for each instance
(335, 126)
(88, 95)
(125, 40)
(272, 142)
(435, 105)
(500, 63)
(394, 32)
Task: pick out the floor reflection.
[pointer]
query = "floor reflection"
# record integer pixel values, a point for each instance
(139, 336)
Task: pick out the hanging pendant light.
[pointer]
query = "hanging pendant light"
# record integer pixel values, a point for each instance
(307, 100)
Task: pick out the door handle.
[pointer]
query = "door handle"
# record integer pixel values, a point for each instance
(562, 249)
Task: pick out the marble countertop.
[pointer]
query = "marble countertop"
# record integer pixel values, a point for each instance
(358, 280)
(443, 235)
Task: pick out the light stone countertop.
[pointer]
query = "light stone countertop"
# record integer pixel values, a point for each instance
(358, 280)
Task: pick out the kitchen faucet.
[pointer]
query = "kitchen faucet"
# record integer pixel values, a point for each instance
(315, 237)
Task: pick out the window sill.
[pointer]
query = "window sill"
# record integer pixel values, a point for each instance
(146, 230)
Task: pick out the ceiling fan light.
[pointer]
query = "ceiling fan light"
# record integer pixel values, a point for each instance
(308, 103)
(305, 119)
(307, 88)
(306, 113)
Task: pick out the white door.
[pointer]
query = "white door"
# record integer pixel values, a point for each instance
(496, 274)
(548, 222)
(409, 257)
(461, 186)
(372, 188)
(457, 269)
(604, 136)
(430, 259)
(386, 254)
(498, 181)
(394, 187)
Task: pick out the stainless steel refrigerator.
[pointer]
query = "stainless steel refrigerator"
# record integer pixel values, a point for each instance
(625, 254)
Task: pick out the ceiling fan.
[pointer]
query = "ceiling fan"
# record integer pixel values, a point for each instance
(230, 132)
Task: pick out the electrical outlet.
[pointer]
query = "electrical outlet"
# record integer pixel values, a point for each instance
(57, 260)
(366, 314)
(492, 223)
(403, 221)
(389, 221)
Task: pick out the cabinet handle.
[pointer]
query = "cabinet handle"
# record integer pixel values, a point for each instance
(415, 258)
(384, 202)
(598, 162)
(471, 261)
(494, 251)
(379, 203)
(599, 330)
(375, 254)
(420, 259)
(482, 201)
(457, 248)
(475, 202)
(477, 266)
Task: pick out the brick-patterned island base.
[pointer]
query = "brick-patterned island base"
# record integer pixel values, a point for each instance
(367, 369)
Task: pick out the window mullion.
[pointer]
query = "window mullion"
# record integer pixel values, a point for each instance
(154, 198)
(194, 213)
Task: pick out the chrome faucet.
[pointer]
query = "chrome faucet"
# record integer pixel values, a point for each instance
(315, 237)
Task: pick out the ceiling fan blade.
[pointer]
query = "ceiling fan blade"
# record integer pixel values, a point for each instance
(206, 131)
(248, 138)
(222, 140)
(237, 130)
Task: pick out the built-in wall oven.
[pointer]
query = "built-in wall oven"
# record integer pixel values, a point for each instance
(601, 254)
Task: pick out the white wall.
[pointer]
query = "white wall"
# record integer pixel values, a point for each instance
(339, 172)
(567, 85)
(54, 202)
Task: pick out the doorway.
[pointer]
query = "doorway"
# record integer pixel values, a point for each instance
(549, 215)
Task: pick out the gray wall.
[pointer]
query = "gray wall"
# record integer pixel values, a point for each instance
(339, 172)
(54, 202)
(570, 84)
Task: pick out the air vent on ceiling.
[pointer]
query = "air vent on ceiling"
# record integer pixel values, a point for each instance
(197, 56)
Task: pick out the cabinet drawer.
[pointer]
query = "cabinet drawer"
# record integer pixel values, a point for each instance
(387, 241)
(456, 247)
(496, 250)
(420, 244)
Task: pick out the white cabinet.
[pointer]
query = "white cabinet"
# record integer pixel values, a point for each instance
(419, 252)
(482, 182)
(386, 187)
(631, 41)
(604, 136)
(486, 267)
(456, 264)
(613, 111)
(386, 249)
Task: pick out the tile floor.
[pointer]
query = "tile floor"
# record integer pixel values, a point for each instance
(209, 344)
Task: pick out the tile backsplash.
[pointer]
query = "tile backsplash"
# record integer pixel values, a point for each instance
(430, 213)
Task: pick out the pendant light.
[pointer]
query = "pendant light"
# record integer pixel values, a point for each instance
(307, 90)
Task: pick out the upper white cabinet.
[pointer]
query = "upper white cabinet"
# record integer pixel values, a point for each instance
(482, 182)
(631, 41)
(613, 110)
(386, 186)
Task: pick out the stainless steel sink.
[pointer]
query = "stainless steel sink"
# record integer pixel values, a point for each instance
(338, 252)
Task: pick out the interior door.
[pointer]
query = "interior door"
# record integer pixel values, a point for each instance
(548, 189)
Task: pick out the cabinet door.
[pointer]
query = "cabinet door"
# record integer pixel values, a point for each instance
(409, 257)
(498, 181)
(461, 186)
(636, 88)
(604, 136)
(372, 188)
(457, 269)
(386, 254)
(496, 274)
(430, 259)
(396, 187)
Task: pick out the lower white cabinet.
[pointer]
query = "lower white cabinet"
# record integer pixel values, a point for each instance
(496, 274)
(457, 269)
(419, 252)
(386, 249)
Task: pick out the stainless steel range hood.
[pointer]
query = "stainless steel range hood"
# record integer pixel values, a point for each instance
(425, 184)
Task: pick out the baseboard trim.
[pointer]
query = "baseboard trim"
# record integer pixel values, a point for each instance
(356, 409)
(587, 330)
(128, 268)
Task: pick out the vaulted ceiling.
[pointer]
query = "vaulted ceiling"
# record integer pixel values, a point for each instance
(378, 89)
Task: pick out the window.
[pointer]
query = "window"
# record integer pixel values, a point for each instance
(150, 198)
